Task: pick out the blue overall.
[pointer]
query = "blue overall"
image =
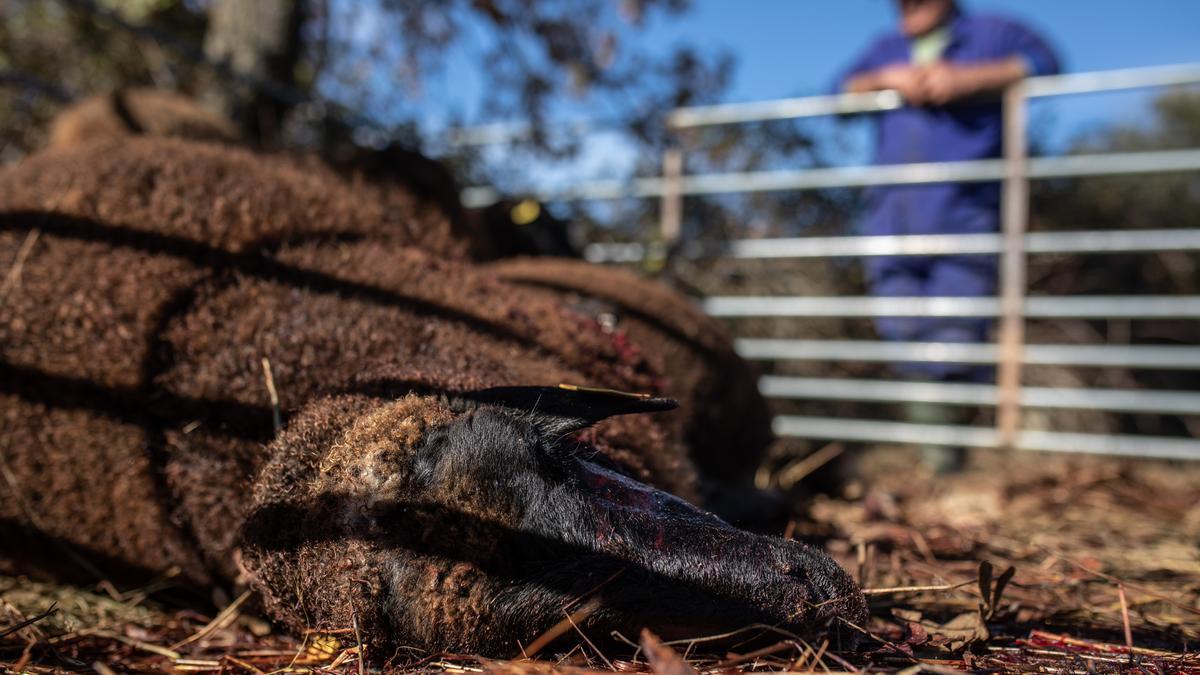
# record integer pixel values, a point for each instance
(961, 131)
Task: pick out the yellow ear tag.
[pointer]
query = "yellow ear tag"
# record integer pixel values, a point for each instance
(525, 212)
(606, 392)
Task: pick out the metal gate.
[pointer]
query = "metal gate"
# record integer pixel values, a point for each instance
(1012, 307)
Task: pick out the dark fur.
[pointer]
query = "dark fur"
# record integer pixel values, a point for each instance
(404, 492)
(495, 233)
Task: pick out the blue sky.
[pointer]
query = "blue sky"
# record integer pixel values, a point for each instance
(791, 47)
(794, 47)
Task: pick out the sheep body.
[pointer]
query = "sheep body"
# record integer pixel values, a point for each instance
(157, 280)
(143, 327)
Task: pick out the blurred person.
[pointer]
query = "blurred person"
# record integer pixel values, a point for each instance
(950, 66)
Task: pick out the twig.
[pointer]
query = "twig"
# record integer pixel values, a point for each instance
(915, 589)
(136, 644)
(765, 651)
(894, 647)
(357, 637)
(846, 665)
(744, 629)
(221, 620)
(1093, 644)
(1125, 620)
(273, 394)
(1108, 577)
(862, 563)
(248, 666)
(28, 622)
(793, 473)
(14, 272)
(818, 659)
(595, 589)
(558, 629)
(663, 660)
(590, 644)
(799, 661)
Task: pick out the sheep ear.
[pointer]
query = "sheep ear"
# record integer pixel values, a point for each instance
(568, 408)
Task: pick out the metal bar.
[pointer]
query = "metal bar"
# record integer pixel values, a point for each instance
(1170, 357)
(788, 108)
(1098, 306)
(1115, 164)
(826, 247)
(865, 350)
(671, 210)
(1156, 447)
(1120, 241)
(849, 306)
(1100, 164)
(872, 431)
(956, 393)
(1114, 306)
(847, 389)
(1014, 217)
(1094, 241)
(978, 170)
(1113, 80)
(814, 106)
(605, 190)
(1150, 401)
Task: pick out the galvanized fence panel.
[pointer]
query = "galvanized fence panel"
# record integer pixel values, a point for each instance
(1013, 306)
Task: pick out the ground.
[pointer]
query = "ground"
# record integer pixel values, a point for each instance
(1106, 555)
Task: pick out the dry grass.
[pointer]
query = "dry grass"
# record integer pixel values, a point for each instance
(1107, 578)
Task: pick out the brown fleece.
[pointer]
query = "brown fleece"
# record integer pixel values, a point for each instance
(207, 195)
(138, 112)
(402, 181)
(724, 419)
(156, 275)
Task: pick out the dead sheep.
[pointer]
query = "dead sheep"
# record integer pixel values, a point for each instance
(724, 419)
(256, 381)
(137, 111)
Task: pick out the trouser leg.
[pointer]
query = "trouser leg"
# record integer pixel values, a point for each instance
(970, 276)
(963, 276)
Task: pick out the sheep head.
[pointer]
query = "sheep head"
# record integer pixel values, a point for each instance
(473, 523)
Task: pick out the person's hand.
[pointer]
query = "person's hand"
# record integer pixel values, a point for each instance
(907, 80)
(942, 83)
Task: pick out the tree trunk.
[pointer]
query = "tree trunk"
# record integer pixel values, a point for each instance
(258, 41)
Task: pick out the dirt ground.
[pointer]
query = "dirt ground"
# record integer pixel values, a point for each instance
(1105, 553)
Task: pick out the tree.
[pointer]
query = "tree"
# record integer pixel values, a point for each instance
(336, 69)
(260, 42)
